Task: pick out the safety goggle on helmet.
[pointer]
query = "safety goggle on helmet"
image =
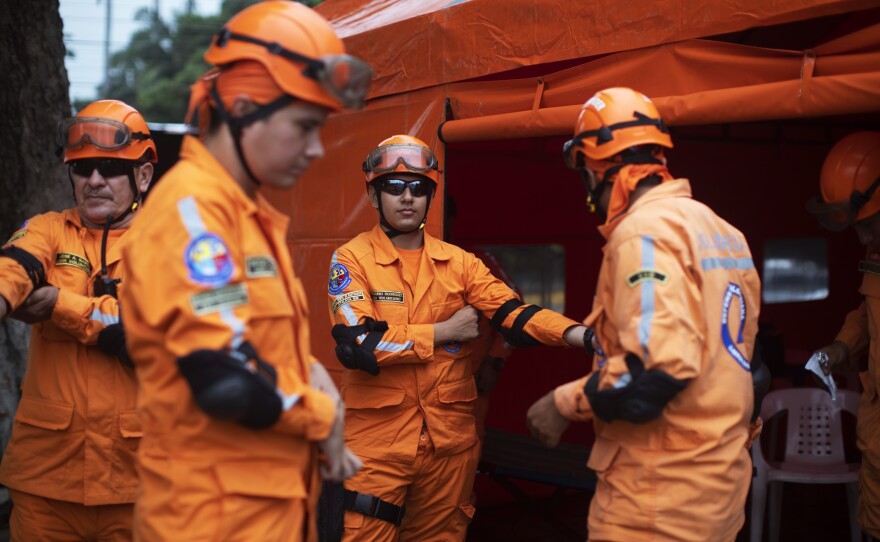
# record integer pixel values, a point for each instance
(300, 50)
(839, 215)
(401, 154)
(106, 129)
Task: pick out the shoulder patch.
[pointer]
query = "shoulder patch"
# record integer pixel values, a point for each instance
(345, 299)
(228, 297)
(387, 296)
(339, 279)
(208, 260)
(643, 275)
(866, 266)
(17, 235)
(260, 266)
(72, 260)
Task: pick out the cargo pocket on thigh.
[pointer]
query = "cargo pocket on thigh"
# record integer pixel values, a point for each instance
(257, 490)
(601, 460)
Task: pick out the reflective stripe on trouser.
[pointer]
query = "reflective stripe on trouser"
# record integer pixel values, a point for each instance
(435, 490)
(40, 519)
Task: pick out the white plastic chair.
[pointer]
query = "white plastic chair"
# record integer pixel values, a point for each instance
(813, 453)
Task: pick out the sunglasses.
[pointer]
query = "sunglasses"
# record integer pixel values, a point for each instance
(107, 167)
(396, 187)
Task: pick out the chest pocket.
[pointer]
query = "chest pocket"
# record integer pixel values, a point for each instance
(391, 306)
(269, 298)
(71, 272)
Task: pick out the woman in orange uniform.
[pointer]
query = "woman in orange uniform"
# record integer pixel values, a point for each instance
(70, 465)
(406, 306)
(235, 409)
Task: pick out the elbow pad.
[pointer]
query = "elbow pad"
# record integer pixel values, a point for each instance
(111, 341)
(516, 335)
(760, 381)
(234, 386)
(641, 400)
(31, 265)
(354, 355)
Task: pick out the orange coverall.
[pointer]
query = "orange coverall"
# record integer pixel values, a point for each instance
(212, 269)
(76, 431)
(678, 288)
(860, 333)
(413, 424)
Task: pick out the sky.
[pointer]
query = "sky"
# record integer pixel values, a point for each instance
(84, 24)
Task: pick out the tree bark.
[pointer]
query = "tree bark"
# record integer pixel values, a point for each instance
(33, 98)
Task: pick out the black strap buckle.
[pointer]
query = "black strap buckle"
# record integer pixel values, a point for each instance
(374, 507)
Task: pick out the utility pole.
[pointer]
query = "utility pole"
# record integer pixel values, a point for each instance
(106, 86)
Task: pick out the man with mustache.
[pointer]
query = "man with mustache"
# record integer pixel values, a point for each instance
(849, 181)
(406, 306)
(70, 465)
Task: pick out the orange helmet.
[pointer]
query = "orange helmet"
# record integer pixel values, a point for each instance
(106, 129)
(612, 121)
(849, 181)
(402, 154)
(299, 49)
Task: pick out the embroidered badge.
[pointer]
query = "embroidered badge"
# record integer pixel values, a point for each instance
(72, 260)
(260, 266)
(339, 279)
(866, 266)
(643, 275)
(17, 235)
(208, 260)
(345, 299)
(452, 348)
(734, 291)
(228, 297)
(387, 296)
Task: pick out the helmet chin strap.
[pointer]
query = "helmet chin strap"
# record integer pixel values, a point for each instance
(237, 124)
(135, 202)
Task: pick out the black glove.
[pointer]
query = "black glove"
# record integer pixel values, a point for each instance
(111, 341)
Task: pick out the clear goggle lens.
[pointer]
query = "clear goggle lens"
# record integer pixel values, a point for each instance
(106, 134)
(835, 216)
(387, 158)
(346, 78)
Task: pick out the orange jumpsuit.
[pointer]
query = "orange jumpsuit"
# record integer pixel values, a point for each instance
(678, 288)
(413, 424)
(76, 431)
(211, 270)
(860, 333)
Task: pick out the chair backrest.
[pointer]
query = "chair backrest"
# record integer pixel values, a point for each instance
(814, 432)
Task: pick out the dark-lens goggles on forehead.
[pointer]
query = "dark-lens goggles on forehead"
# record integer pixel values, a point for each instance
(396, 187)
(344, 77)
(107, 167)
(386, 158)
(106, 134)
(838, 215)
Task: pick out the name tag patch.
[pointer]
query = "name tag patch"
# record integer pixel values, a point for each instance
(643, 275)
(260, 266)
(72, 260)
(345, 299)
(386, 296)
(228, 297)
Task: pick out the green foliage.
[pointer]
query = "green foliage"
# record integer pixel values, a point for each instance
(154, 72)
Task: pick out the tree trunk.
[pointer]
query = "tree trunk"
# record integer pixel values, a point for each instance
(33, 98)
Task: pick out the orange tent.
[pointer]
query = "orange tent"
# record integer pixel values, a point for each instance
(463, 71)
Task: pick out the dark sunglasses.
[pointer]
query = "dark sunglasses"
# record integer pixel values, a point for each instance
(107, 167)
(397, 187)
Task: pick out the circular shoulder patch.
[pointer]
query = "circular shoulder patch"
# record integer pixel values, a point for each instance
(208, 260)
(452, 347)
(339, 279)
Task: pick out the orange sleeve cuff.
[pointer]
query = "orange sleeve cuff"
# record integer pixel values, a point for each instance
(15, 286)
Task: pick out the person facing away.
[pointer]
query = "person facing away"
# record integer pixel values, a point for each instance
(675, 317)
(239, 418)
(406, 307)
(70, 465)
(848, 183)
